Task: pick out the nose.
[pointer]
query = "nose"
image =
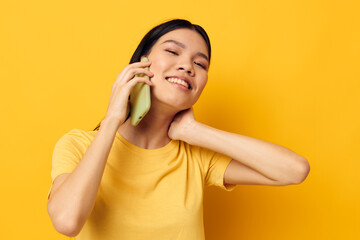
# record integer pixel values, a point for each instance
(186, 66)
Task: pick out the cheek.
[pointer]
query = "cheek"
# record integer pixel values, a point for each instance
(200, 88)
(159, 62)
(203, 83)
(157, 68)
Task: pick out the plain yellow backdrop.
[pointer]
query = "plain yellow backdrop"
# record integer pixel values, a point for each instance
(282, 71)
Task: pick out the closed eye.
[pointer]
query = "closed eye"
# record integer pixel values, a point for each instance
(200, 65)
(175, 53)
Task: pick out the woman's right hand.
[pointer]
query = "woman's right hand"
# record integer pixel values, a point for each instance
(120, 91)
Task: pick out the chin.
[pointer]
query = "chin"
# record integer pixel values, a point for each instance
(178, 103)
(174, 103)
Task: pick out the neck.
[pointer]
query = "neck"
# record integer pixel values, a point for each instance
(152, 131)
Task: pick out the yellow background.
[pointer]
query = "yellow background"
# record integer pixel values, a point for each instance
(282, 71)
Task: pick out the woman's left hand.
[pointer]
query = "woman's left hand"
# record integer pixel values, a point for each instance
(182, 125)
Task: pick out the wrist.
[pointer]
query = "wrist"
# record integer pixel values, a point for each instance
(110, 122)
(191, 132)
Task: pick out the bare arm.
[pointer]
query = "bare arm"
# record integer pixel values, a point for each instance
(72, 202)
(74, 194)
(273, 161)
(257, 161)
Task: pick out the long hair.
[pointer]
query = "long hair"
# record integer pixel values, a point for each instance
(155, 33)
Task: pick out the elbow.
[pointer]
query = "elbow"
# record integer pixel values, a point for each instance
(302, 171)
(63, 224)
(66, 228)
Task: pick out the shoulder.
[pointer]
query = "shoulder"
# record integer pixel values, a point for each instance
(207, 156)
(77, 132)
(189, 147)
(77, 135)
(197, 151)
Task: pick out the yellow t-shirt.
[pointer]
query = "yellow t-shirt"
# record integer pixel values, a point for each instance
(145, 193)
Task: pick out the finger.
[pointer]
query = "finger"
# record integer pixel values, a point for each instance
(136, 80)
(137, 65)
(124, 74)
(141, 79)
(138, 71)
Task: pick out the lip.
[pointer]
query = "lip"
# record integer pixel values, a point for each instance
(182, 78)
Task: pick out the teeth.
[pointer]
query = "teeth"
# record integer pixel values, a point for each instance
(176, 80)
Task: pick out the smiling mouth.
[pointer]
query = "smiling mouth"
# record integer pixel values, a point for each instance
(179, 81)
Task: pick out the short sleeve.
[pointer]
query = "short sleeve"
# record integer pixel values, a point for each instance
(216, 165)
(68, 152)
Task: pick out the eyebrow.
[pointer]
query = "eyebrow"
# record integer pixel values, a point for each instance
(183, 46)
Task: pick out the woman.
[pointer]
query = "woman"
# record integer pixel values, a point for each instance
(146, 181)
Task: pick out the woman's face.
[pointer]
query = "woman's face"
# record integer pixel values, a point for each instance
(180, 66)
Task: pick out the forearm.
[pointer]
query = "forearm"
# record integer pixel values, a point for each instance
(73, 202)
(273, 161)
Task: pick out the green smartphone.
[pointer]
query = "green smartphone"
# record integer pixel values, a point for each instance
(139, 99)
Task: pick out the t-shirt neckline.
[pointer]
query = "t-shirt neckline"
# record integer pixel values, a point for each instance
(168, 147)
